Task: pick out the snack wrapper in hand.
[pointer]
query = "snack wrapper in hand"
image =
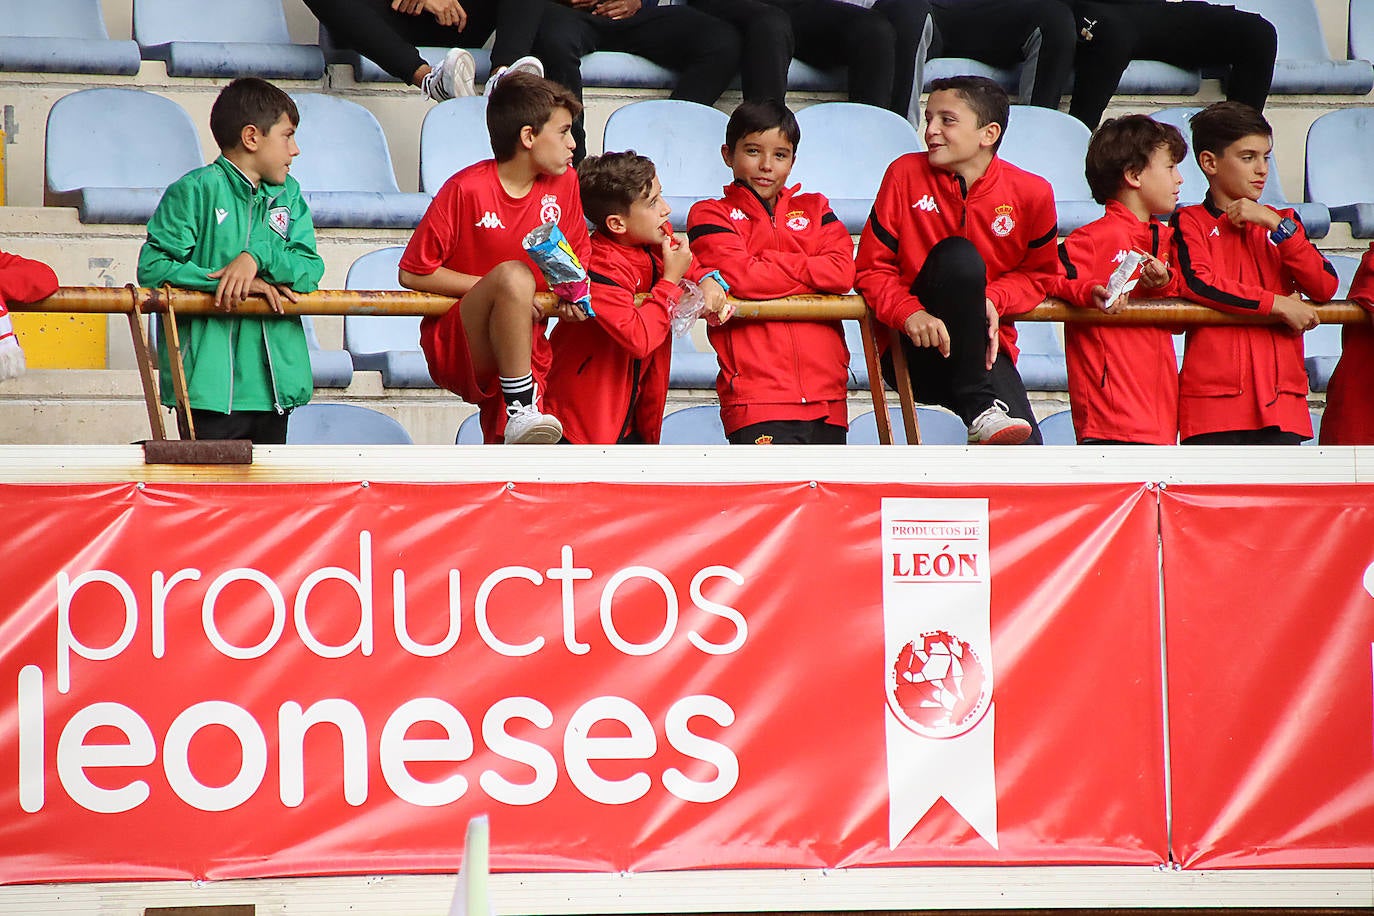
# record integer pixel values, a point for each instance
(689, 307)
(1125, 277)
(548, 248)
(667, 228)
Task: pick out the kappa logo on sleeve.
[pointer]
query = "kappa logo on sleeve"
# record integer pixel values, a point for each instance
(279, 218)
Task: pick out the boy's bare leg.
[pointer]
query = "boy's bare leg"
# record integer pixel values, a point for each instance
(498, 319)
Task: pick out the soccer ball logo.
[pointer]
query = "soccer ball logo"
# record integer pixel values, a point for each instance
(937, 686)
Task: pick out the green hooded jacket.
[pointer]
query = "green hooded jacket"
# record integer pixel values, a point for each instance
(205, 219)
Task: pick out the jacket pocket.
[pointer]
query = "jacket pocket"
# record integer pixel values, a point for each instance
(1212, 364)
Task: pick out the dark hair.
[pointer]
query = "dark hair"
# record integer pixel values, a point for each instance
(987, 99)
(612, 182)
(1219, 125)
(1124, 145)
(523, 100)
(757, 117)
(248, 100)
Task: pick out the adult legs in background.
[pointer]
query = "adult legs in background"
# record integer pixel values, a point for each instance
(1191, 35)
(766, 44)
(703, 50)
(1005, 33)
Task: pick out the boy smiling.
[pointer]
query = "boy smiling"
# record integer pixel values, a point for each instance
(957, 239)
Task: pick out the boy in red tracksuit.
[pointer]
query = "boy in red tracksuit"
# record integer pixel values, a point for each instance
(1123, 381)
(21, 280)
(780, 382)
(958, 239)
(609, 378)
(1244, 385)
(490, 347)
(1349, 415)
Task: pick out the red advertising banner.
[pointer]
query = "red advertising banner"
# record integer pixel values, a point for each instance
(1270, 630)
(255, 680)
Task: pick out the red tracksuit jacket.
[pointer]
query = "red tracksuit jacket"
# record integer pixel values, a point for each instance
(1240, 378)
(609, 374)
(777, 370)
(24, 280)
(1349, 415)
(1008, 214)
(1123, 381)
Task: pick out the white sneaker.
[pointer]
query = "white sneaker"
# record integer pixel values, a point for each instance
(455, 77)
(525, 64)
(995, 426)
(525, 425)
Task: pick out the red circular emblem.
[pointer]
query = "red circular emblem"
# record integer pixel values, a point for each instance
(937, 686)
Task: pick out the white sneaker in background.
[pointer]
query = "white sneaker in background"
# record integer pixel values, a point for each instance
(995, 426)
(455, 77)
(525, 64)
(525, 425)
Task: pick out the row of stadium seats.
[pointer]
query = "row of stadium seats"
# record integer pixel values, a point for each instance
(346, 424)
(199, 38)
(346, 169)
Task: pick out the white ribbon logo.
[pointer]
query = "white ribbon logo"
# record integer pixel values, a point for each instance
(939, 672)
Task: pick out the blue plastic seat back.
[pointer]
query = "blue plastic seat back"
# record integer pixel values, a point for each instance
(1053, 145)
(214, 38)
(682, 138)
(342, 147)
(367, 334)
(938, 427)
(1041, 362)
(691, 367)
(365, 70)
(328, 368)
(52, 19)
(470, 431)
(847, 172)
(1304, 64)
(157, 142)
(343, 424)
(699, 425)
(1057, 429)
(1340, 157)
(1360, 30)
(453, 136)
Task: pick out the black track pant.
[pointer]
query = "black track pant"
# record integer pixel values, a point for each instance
(952, 286)
(375, 30)
(1004, 33)
(1191, 34)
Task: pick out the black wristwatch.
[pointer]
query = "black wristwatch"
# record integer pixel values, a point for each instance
(1285, 230)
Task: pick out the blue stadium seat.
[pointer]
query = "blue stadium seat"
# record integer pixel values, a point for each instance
(345, 168)
(453, 136)
(1360, 30)
(329, 368)
(1316, 217)
(846, 172)
(61, 36)
(389, 344)
(1154, 77)
(938, 427)
(470, 431)
(1053, 145)
(367, 71)
(683, 139)
(1321, 348)
(618, 69)
(343, 424)
(699, 425)
(1304, 65)
(1339, 163)
(214, 38)
(1316, 428)
(690, 367)
(1041, 361)
(157, 144)
(858, 367)
(942, 67)
(1057, 429)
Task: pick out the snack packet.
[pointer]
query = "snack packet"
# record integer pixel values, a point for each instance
(1125, 277)
(548, 248)
(689, 307)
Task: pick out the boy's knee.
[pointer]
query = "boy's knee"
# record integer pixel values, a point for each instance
(956, 261)
(514, 278)
(1058, 28)
(872, 33)
(1254, 35)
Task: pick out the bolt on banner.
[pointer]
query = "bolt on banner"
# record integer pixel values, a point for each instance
(938, 652)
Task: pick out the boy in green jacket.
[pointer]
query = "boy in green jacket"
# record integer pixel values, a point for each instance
(239, 227)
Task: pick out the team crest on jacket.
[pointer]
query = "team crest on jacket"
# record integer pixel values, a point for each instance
(279, 218)
(797, 220)
(549, 210)
(1002, 223)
